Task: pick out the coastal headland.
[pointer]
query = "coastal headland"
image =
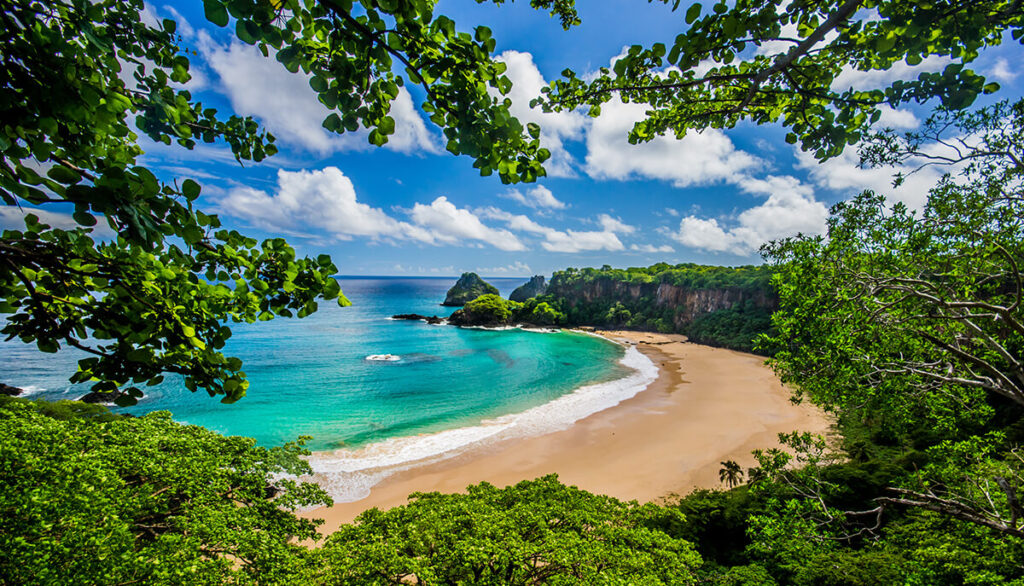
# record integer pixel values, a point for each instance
(707, 405)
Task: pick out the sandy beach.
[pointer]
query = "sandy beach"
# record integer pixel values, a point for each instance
(707, 405)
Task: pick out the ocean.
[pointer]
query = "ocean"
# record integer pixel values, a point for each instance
(451, 388)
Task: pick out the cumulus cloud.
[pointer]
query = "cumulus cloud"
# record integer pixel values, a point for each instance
(323, 200)
(450, 224)
(697, 159)
(284, 102)
(790, 208)
(312, 203)
(556, 127)
(611, 224)
(844, 174)
(569, 241)
(537, 197)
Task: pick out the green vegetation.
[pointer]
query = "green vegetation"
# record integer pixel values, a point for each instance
(161, 296)
(536, 532)
(908, 326)
(719, 306)
(467, 288)
(94, 498)
(492, 310)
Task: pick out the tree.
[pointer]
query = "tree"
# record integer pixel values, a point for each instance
(708, 78)
(918, 316)
(731, 473)
(97, 499)
(536, 532)
(160, 297)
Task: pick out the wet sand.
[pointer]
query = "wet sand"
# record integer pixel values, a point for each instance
(707, 405)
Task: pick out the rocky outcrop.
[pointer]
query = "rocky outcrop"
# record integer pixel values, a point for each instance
(536, 286)
(433, 319)
(467, 288)
(106, 398)
(686, 303)
(9, 390)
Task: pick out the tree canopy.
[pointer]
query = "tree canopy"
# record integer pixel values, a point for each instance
(83, 79)
(776, 61)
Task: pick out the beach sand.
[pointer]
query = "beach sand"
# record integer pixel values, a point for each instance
(707, 405)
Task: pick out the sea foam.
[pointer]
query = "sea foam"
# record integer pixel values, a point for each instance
(349, 474)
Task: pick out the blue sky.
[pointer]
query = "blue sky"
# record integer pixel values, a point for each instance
(411, 208)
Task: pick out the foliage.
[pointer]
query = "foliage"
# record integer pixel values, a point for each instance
(896, 307)
(492, 310)
(160, 297)
(536, 532)
(110, 500)
(467, 288)
(486, 309)
(635, 298)
(708, 78)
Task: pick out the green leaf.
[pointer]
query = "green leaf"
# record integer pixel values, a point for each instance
(190, 189)
(216, 12)
(693, 13)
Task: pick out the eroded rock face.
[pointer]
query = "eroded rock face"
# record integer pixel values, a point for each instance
(690, 303)
(467, 288)
(536, 286)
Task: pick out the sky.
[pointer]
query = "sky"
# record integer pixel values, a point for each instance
(411, 208)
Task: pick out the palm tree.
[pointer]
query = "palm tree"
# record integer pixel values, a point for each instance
(731, 473)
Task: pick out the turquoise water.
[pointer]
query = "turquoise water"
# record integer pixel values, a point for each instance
(310, 376)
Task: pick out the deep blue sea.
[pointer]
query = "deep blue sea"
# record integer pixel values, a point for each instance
(311, 377)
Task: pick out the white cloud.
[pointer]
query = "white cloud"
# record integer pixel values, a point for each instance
(556, 127)
(672, 212)
(844, 174)
(517, 268)
(650, 248)
(452, 225)
(288, 107)
(897, 119)
(853, 78)
(790, 209)
(537, 197)
(611, 224)
(557, 240)
(697, 159)
(1002, 71)
(13, 218)
(319, 200)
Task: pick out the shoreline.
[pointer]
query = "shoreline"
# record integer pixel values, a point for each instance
(704, 406)
(349, 474)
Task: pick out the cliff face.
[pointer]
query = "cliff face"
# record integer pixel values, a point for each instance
(467, 288)
(536, 286)
(684, 303)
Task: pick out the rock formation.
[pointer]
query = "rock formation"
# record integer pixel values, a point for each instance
(469, 287)
(536, 286)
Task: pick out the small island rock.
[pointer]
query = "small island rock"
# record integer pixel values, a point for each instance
(536, 286)
(469, 287)
(9, 390)
(432, 319)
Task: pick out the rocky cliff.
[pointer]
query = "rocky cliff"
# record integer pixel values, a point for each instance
(536, 286)
(723, 306)
(467, 288)
(685, 304)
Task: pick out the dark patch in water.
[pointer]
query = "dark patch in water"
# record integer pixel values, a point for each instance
(420, 357)
(462, 352)
(501, 357)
